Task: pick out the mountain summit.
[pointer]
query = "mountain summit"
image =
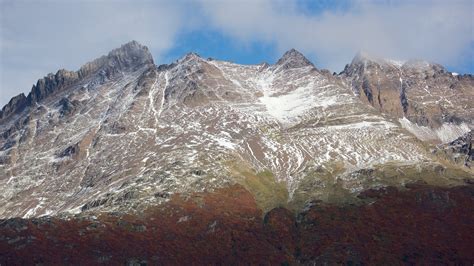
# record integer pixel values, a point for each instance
(128, 57)
(431, 98)
(132, 53)
(293, 59)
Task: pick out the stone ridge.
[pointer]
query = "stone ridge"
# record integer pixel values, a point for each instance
(16, 104)
(128, 57)
(293, 59)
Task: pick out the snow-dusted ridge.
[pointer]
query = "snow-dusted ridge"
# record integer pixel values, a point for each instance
(129, 140)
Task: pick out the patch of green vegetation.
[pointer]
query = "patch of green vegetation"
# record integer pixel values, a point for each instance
(321, 184)
(432, 174)
(267, 191)
(332, 185)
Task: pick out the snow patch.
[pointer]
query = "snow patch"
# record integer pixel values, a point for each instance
(397, 63)
(364, 124)
(287, 107)
(446, 133)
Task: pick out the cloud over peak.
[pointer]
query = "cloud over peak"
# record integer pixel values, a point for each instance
(440, 31)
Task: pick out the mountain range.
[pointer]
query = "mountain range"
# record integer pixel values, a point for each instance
(122, 136)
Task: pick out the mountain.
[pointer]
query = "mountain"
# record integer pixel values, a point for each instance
(122, 136)
(432, 103)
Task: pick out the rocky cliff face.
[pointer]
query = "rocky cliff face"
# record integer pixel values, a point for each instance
(16, 104)
(459, 150)
(125, 58)
(432, 103)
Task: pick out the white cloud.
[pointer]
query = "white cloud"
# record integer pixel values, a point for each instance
(38, 37)
(440, 31)
(41, 37)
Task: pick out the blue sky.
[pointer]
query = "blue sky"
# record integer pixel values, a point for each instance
(39, 37)
(215, 44)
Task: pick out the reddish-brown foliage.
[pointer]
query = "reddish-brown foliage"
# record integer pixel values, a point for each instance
(421, 224)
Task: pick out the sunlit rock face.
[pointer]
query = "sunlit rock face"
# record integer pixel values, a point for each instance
(432, 103)
(123, 135)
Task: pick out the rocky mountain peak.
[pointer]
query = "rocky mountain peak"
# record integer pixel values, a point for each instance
(365, 58)
(16, 104)
(129, 57)
(401, 89)
(132, 54)
(293, 59)
(190, 57)
(51, 83)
